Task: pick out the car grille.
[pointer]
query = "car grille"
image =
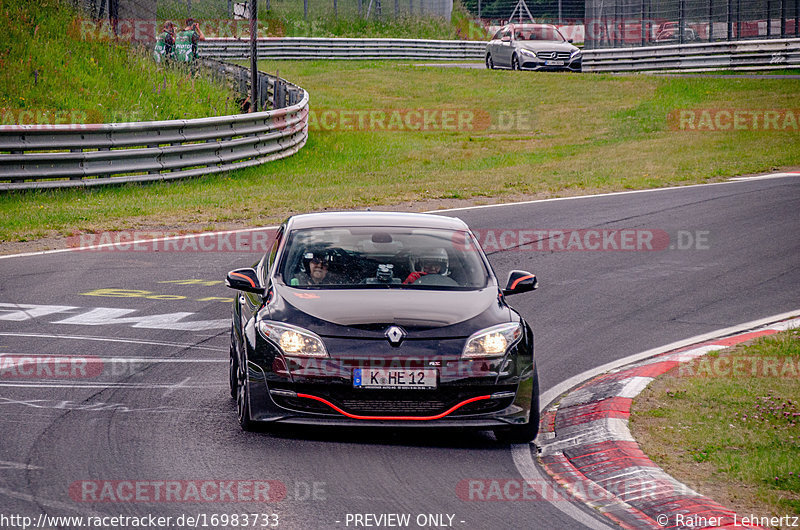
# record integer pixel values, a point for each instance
(394, 403)
(393, 407)
(553, 55)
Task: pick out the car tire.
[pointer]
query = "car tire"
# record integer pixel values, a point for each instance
(489, 62)
(526, 432)
(514, 62)
(243, 402)
(233, 366)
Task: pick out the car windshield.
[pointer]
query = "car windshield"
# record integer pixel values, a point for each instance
(381, 257)
(548, 33)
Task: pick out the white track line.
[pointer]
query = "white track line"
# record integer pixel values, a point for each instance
(207, 234)
(110, 339)
(97, 358)
(631, 192)
(154, 240)
(523, 460)
(103, 385)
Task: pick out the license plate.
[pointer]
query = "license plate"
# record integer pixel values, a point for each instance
(554, 63)
(394, 378)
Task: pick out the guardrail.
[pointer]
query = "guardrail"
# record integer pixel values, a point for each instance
(42, 156)
(354, 49)
(755, 54)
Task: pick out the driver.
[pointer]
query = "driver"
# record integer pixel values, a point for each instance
(316, 265)
(431, 261)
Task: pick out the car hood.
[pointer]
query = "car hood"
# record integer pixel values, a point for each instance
(369, 311)
(545, 45)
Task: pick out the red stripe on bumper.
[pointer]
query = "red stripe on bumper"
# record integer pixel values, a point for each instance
(388, 418)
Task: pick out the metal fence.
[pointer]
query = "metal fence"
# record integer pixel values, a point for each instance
(700, 56)
(286, 10)
(498, 12)
(626, 23)
(69, 155)
(353, 49)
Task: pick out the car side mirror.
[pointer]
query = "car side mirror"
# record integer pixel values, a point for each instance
(245, 280)
(569, 41)
(506, 39)
(520, 282)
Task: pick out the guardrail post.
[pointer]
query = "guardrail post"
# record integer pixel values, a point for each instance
(730, 19)
(682, 21)
(276, 89)
(254, 97)
(263, 91)
(710, 20)
(641, 18)
(783, 19)
(738, 19)
(769, 18)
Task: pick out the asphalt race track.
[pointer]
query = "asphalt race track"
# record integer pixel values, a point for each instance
(153, 406)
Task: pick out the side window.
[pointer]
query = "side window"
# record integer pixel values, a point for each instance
(273, 252)
(498, 34)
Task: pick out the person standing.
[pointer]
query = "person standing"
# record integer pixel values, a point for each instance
(186, 41)
(165, 44)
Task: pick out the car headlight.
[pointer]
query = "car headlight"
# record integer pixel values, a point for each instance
(292, 340)
(493, 341)
(576, 53)
(527, 52)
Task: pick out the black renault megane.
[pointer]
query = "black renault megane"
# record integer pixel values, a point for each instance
(381, 319)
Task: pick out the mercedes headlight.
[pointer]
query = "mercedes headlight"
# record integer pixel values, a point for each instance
(493, 341)
(527, 52)
(576, 53)
(292, 340)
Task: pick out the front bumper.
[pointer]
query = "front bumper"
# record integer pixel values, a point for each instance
(534, 63)
(470, 393)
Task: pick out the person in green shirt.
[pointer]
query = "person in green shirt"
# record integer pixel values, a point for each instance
(165, 44)
(186, 41)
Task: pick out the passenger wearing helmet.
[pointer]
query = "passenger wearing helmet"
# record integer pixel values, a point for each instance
(316, 265)
(431, 261)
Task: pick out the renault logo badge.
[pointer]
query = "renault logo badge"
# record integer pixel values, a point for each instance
(395, 335)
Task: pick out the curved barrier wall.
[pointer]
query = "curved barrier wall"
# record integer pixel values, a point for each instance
(353, 49)
(43, 156)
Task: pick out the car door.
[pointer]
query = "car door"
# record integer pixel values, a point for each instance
(505, 48)
(494, 43)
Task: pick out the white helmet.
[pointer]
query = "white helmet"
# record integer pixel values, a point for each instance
(434, 257)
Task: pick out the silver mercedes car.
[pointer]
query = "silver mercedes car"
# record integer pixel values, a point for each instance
(532, 47)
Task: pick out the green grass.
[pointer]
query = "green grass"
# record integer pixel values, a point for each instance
(48, 66)
(711, 423)
(285, 18)
(570, 133)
